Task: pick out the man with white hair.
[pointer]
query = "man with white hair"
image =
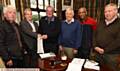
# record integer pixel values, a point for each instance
(70, 36)
(10, 41)
(107, 37)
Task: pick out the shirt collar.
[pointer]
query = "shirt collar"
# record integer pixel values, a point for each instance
(52, 18)
(70, 21)
(108, 22)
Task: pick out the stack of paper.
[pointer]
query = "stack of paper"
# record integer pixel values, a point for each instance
(75, 65)
(40, 48)
(90, 64)
(46, 55)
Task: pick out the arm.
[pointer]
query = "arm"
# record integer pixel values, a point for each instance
(78, 35)
(3, 50)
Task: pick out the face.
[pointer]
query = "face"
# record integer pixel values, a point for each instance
(109, 12)
(49, 12)
(82, 13)
(10, 15)
(69, 15)
(28, 15)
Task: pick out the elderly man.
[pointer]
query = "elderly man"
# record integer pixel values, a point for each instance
(49, 28)
(70, 36)
(10, 41)
(29, 30)
(107, 37)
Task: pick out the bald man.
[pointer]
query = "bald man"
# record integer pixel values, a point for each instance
(85, 19)
(49, 29)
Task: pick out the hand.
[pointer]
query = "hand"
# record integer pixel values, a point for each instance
(99, 50)
(44, 36)
(39, 36)
(10, 63)
(75, 51)
(60, 48)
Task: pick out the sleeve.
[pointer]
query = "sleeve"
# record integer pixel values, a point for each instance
(26, 31)
(78, 35)
(3, 50)
(94, 42)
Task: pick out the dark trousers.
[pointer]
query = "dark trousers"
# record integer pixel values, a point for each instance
(83, 52)
(51, 48)
(109, 59)
(31, 59)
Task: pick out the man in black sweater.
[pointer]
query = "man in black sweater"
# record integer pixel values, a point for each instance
(107, 37)
(49, 29)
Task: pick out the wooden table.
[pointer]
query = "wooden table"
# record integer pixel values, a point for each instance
(44, 65)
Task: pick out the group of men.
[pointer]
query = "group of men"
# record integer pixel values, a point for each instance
(65, 36)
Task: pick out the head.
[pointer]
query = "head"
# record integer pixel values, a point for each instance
(49, 11)
(82, 13)
(110, 11)
(28, 14)
(69, 13)
(9, 13)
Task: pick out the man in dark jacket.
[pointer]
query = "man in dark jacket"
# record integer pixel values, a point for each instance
(29, 34)
(49, 28)
(107, 37)
(10, 40)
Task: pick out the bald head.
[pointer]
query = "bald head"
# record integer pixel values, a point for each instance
(82, 12)
(49, 11)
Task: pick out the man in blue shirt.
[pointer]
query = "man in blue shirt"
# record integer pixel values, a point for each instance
(70, 36)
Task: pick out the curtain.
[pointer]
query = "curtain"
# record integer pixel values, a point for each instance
(95, 8)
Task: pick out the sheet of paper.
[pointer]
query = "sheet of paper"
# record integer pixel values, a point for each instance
(76, 64)
(90, 64)
(46, 55)
(40, 48)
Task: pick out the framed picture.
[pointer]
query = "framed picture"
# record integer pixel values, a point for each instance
(67, 2)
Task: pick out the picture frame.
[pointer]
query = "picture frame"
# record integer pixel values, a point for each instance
(67, 2)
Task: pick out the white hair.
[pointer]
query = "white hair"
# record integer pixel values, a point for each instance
(70, 9)
(6, 8)
(113, 5)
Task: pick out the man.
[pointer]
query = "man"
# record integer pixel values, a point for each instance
(70, 36)
(107, 37)
(49, 28)
(29, 34)
(84, 19)
(88, 26)
(10, 41)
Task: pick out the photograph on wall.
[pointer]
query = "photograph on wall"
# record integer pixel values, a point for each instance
(67, 2)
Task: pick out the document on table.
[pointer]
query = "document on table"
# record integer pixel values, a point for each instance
(76, 64)
(90, 64)
(40, 48)
(46, 55)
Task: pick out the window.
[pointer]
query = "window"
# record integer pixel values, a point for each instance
(38, 7)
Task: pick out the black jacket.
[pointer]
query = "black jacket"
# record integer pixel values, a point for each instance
(9, 46)
(52, 29)
(29, 37)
